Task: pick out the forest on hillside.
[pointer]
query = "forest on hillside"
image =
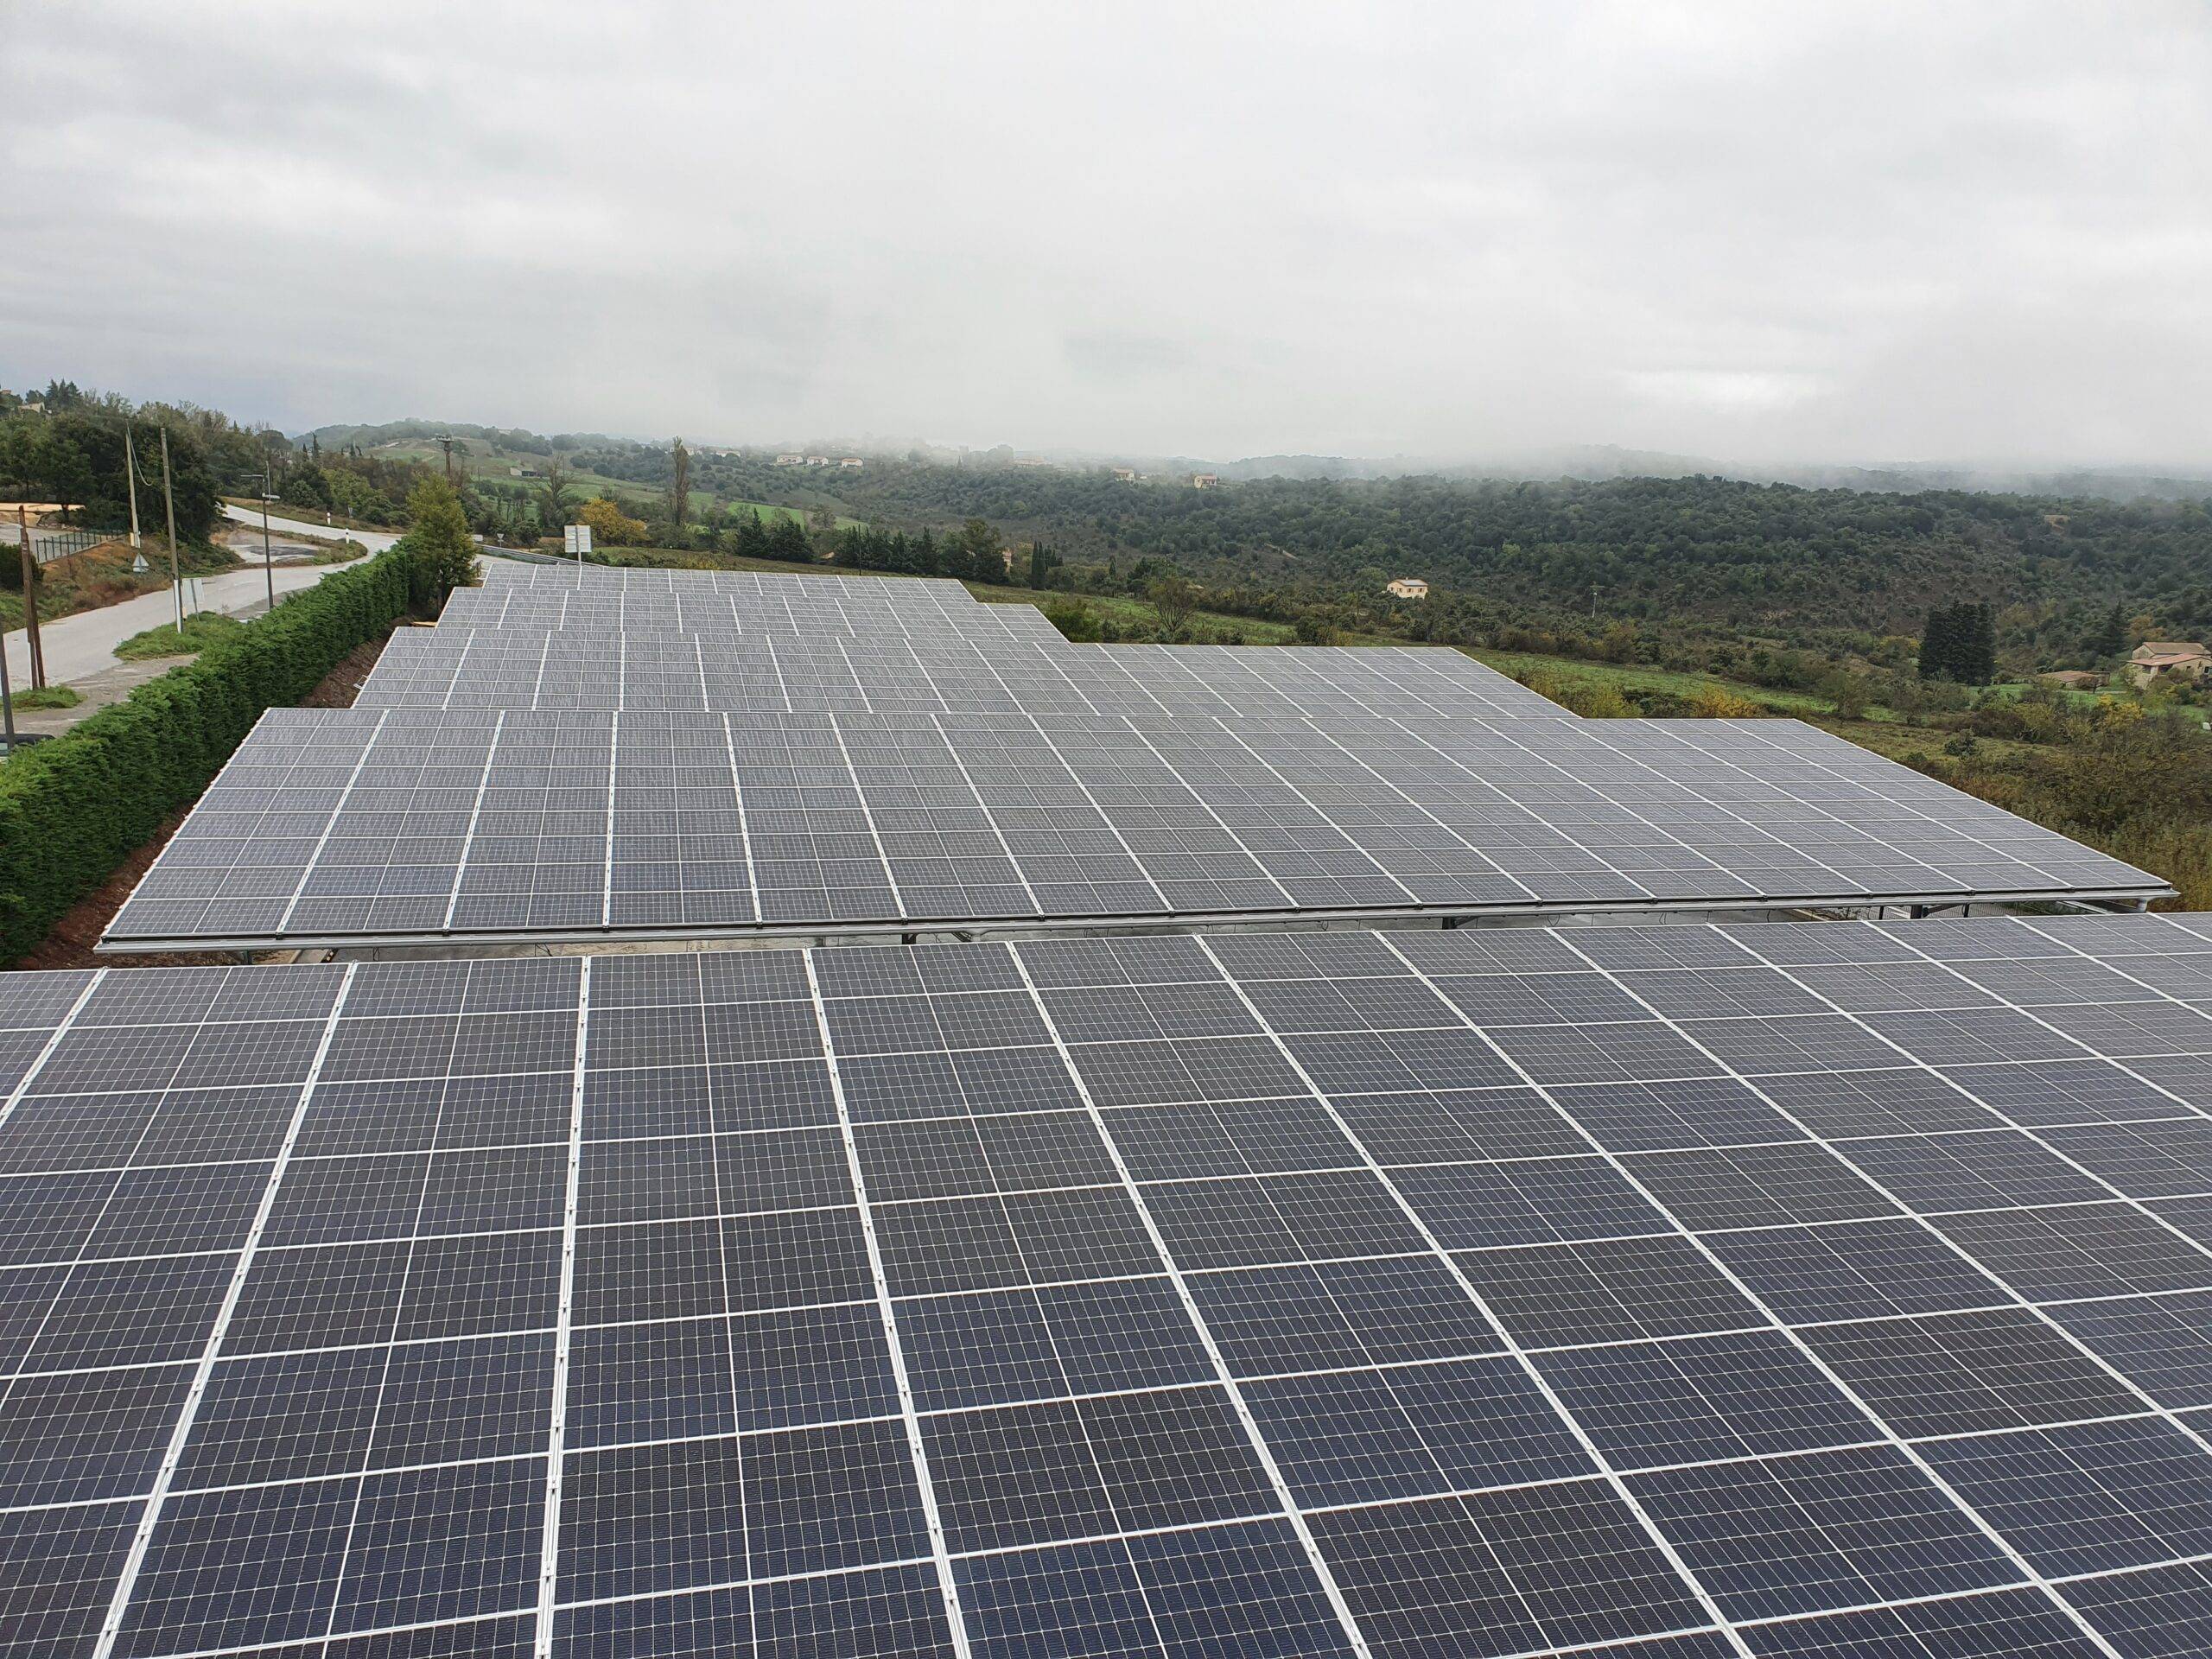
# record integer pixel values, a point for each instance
(1708, 554)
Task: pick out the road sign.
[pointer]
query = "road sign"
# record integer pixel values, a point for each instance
(576, 540)
(139, 566)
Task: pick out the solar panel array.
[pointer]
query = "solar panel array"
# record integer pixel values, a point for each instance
(1660, 1293)
(977, 671)
(337, 824)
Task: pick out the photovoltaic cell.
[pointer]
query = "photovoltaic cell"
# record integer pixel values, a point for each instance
(1160, 1296)
(349, 824)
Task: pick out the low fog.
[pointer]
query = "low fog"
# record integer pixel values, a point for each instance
(1850, 233)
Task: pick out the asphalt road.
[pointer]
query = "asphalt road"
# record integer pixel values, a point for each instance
(83, 645)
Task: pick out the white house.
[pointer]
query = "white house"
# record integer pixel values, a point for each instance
(1407, 588)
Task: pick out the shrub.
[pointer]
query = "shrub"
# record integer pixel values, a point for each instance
(1074, 619)
(1716, 703)
(74, 809)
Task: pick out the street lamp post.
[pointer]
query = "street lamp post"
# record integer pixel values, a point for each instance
(268, 558)
(168, 499)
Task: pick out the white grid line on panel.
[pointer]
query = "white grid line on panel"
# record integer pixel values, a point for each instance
(445, 703)
(887, 1314)
(1845, 882)
(1805, 1351)
(53, 1041)
(744, 830)
(989, 817)
(315, 856)
(1864, 789)
(1048, 661)
(556, 1433)
(614, 765)
(204, 1370)
(1530, 812)
(544, 656)
(860, 686)
(1176, 773)
(1352, 755)
(1231, 1388)
(468, 840)
(860, 795)
(1114, 829)
(1611, 1475)
(2032, 1134)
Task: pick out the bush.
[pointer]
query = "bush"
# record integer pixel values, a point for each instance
(1714, 703)
(1074, 619)
(72, 809)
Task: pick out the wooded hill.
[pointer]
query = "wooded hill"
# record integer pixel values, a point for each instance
(1718, 554)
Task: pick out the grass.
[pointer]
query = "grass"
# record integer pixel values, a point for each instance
(46, 696)
(199, 632)
(1572, 673)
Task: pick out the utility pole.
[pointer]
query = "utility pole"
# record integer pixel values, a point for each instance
(268, 558)
(30, 599)
(446, 445)
(1593, 601)
(130, 473)
(7, 703)
(168, 496)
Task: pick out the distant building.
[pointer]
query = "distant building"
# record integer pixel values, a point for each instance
(817, 461)
(1204, 481)
(2073, 679)
(2180, 659)
(1407, 588)
(790, 460)
(1032, 463)
(1125, 474)
(852, 461)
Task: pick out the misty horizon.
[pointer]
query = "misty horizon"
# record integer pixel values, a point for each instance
(1826, 236)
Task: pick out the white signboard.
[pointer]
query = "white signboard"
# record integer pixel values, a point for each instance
(576, 540)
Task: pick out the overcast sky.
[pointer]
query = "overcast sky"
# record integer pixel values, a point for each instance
(1850, 232)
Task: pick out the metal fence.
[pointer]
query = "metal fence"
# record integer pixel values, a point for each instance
(47, 545)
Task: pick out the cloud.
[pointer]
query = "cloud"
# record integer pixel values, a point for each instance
(1826, 232)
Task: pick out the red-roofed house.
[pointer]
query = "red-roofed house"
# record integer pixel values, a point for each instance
(2182, 659)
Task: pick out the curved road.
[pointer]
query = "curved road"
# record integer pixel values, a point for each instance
(84, 644)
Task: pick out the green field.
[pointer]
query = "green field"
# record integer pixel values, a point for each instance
(493, 470)
(1572, 672)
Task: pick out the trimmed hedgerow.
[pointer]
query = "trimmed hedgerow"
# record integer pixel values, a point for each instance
(74, 809)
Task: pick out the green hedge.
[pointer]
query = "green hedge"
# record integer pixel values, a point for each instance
(72, 809)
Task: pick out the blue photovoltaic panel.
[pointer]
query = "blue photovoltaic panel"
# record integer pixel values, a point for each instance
(339, 824)
(981, 668)
(1668, 1292)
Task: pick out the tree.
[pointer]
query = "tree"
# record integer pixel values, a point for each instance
(610, 524)
(2111, 637)
(553, 498)
(307, 486)
(77, 458)
(787, 539)
(679, 483)
(1848, 694)
(440, 557)
(1960, 644)
(1174, 597)
(986, 555)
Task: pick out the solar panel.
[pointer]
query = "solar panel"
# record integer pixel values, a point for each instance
(1656, 1292)
(336, 825)
(973, 670)
(877, 609)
